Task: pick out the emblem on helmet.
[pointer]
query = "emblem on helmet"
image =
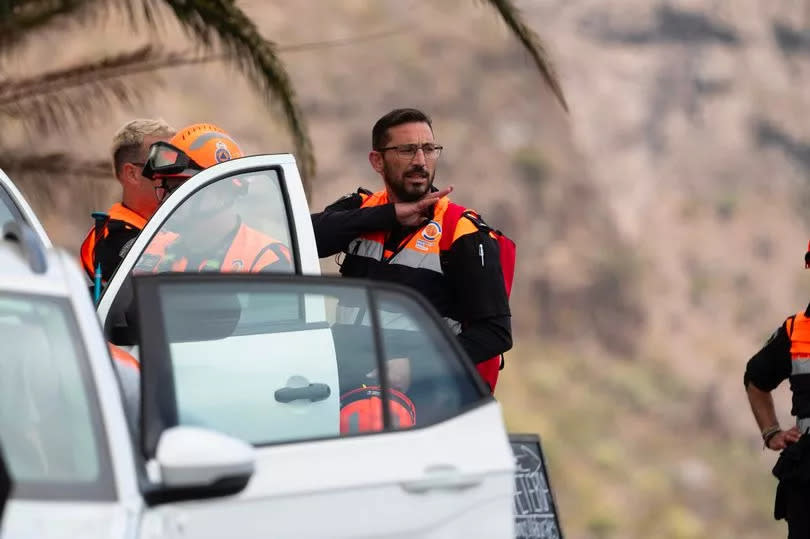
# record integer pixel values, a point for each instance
(222, 153)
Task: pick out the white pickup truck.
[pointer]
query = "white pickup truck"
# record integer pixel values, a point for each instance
(238, 428)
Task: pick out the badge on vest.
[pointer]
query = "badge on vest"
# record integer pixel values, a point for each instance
(431, 231)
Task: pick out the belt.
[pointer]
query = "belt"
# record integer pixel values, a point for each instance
(803, 424)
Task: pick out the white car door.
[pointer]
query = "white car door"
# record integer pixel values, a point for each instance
(58, 431)
(190, 230)
(263, 192)
(341, 451)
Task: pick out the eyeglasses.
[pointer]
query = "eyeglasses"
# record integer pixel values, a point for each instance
(408, 151)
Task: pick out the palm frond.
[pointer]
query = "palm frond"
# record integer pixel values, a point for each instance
(514, 20)
(221, 22)
(19, 18)
(76, 95)
(53, 164)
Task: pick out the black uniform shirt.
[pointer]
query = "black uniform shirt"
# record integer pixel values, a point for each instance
(111, 249)
(770, 366)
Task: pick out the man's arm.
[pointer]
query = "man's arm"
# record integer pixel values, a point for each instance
(342, 221)
(763, 373)
(474, 274)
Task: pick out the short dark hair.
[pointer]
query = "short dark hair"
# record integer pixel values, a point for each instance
(379, 133)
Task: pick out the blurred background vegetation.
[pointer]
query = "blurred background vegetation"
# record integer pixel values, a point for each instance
(661, 223)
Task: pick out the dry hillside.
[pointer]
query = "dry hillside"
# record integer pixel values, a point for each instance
(661, 224)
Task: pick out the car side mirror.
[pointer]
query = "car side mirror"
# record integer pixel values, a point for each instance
(194, 462)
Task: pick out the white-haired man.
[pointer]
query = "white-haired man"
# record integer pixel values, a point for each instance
(139, 201)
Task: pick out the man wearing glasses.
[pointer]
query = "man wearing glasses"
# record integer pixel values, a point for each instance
(139, 201)
(396, 235)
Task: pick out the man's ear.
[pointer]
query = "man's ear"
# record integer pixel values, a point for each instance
(376, 160)
(130, 174)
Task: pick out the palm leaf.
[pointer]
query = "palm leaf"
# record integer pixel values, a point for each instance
(53, 164)
(220, 24)
(20, 18)
(514, 20)
(76, 95)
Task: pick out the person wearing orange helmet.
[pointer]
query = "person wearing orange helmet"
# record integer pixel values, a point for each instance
(203, 246)
(786, 355)
(108, 241)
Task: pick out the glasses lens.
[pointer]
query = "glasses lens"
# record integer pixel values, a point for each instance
(164, 157)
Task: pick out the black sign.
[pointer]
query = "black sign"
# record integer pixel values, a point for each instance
(535, 511)
(5, 484)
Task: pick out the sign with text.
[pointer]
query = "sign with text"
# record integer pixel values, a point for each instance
(535, 511)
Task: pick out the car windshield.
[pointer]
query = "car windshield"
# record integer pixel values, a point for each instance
(49, 418)
(283, 361)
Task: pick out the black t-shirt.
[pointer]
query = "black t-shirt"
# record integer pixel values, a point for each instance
(770, 366)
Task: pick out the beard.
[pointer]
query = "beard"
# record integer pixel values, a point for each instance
(404, 187)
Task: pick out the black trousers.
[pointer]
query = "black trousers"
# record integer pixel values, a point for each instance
(796, 499)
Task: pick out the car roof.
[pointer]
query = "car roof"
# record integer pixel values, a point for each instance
(28, 266)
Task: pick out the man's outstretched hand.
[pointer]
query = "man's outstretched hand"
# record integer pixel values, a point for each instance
(413, 213)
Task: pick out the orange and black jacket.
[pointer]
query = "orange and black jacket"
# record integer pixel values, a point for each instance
(245, 249)
(786, 355)
(118, 235)
(464, 284)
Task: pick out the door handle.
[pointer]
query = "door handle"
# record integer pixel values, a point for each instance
(311, 392)
(441, 478)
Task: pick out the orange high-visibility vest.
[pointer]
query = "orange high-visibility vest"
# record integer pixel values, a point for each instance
(117, 212)
(123, 357)
(250, 251)
(422, 250)
(798, 330)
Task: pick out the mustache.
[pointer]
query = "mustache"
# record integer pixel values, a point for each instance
(417, 170)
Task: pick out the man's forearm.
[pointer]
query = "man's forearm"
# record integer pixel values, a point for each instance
(762, 406)
(335, 229)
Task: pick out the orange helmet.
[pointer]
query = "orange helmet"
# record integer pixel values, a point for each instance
(191, 150)
(361, 410)
(206, 144)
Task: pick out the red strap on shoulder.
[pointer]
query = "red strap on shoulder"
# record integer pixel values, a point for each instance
(451, 216)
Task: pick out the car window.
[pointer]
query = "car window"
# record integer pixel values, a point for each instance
(236, 224)
(49, 418)
(273, 361)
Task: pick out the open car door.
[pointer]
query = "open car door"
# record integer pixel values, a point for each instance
(244, 215)
(374, 427)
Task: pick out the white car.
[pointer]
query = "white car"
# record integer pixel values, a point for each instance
(254, 419)
(14, 207)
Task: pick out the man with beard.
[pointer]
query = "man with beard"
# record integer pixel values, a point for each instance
(395, 235)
